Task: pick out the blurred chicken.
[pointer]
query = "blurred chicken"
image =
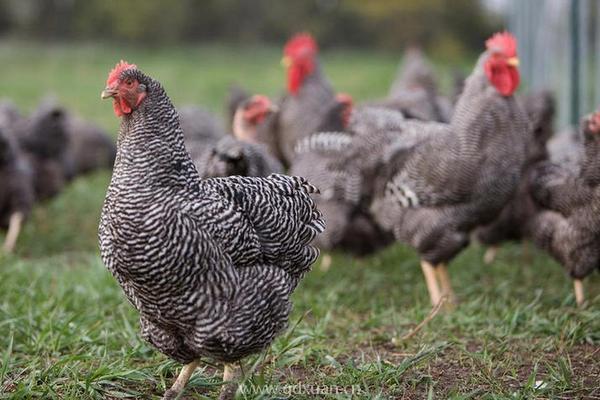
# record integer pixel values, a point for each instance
(16, 188)
(241, 154)
(568, 226)
(45, 140)
(437, 182)
(513, 222)
(415, 90)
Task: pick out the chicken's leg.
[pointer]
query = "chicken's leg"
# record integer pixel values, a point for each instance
(442, 273)
(230, 377)
(182, 380)
(14, 228)
(490, 254)
(579, 296)
(432, 284)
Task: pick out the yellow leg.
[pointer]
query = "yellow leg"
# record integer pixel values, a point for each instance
(182, 380)
(325, 262)
(490, 254)
(230, 376)
(579, 296)
(432, 284)
(14, 228)
(442, 273)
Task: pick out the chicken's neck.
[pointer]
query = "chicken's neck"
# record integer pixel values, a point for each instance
(150, 148)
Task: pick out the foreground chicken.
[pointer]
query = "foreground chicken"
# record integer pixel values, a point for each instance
(209, 264)
(568, 226)
(440, 181)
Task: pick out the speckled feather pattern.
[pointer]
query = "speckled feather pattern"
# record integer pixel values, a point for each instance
(209, 264)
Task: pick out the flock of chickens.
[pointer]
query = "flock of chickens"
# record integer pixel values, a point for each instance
(208, 238)
(40, 154)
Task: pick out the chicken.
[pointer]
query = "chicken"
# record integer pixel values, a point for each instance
(513, 221)
(89, 147)
(16, 191)
(307, 107)
(235, 96)
(200, 125)
(568, 225)
(241, 154)
(44, 139)
(415, 92)
(210, 264)
(440, 181)
(566, 149)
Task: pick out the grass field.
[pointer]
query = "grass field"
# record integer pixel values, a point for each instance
(67, 332)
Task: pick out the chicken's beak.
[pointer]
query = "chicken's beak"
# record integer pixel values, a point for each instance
(273, 108)
(108, 92)
(513, 62)
(286, 62)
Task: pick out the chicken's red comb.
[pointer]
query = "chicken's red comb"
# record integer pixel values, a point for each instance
(299, 43)
(504, 42)
(117, 70)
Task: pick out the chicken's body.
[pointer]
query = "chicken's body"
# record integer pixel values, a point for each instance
(568, 226)
(209, 264)
(16, 189)
(514, 220)
(442, 181)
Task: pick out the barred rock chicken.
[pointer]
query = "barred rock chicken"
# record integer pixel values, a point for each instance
(438, 186)
(209, 264)
(16, 190)
(415, 92)
(568, 227)
(307, 107)
(514, 220)
(321, 158)
(44, 139)
(241, 154)
(566, 149)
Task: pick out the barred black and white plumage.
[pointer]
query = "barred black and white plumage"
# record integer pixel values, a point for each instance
(209, 264)
(513, 223)
(414, 90)
(568, 223)
(432, 193)
(230, 156)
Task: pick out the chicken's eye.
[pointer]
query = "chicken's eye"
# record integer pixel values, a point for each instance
(129, 82)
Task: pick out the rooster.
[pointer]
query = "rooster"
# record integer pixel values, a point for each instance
(568, 226)
(307, 107)
(436, 182)
(210, 264)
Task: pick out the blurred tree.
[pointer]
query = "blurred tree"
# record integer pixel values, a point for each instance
(447, 26)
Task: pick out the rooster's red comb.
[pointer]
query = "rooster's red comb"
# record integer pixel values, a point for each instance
(117, 70)
(504, 42)
(299, 43)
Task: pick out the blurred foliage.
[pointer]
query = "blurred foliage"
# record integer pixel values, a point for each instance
(439, 25)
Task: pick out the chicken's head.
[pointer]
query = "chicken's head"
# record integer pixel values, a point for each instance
(501, 66)
(249, 114)
(591, 125)
(299, 56)
(124, 87)
(347, 104)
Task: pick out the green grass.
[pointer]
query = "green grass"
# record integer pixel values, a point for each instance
(67, 332)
